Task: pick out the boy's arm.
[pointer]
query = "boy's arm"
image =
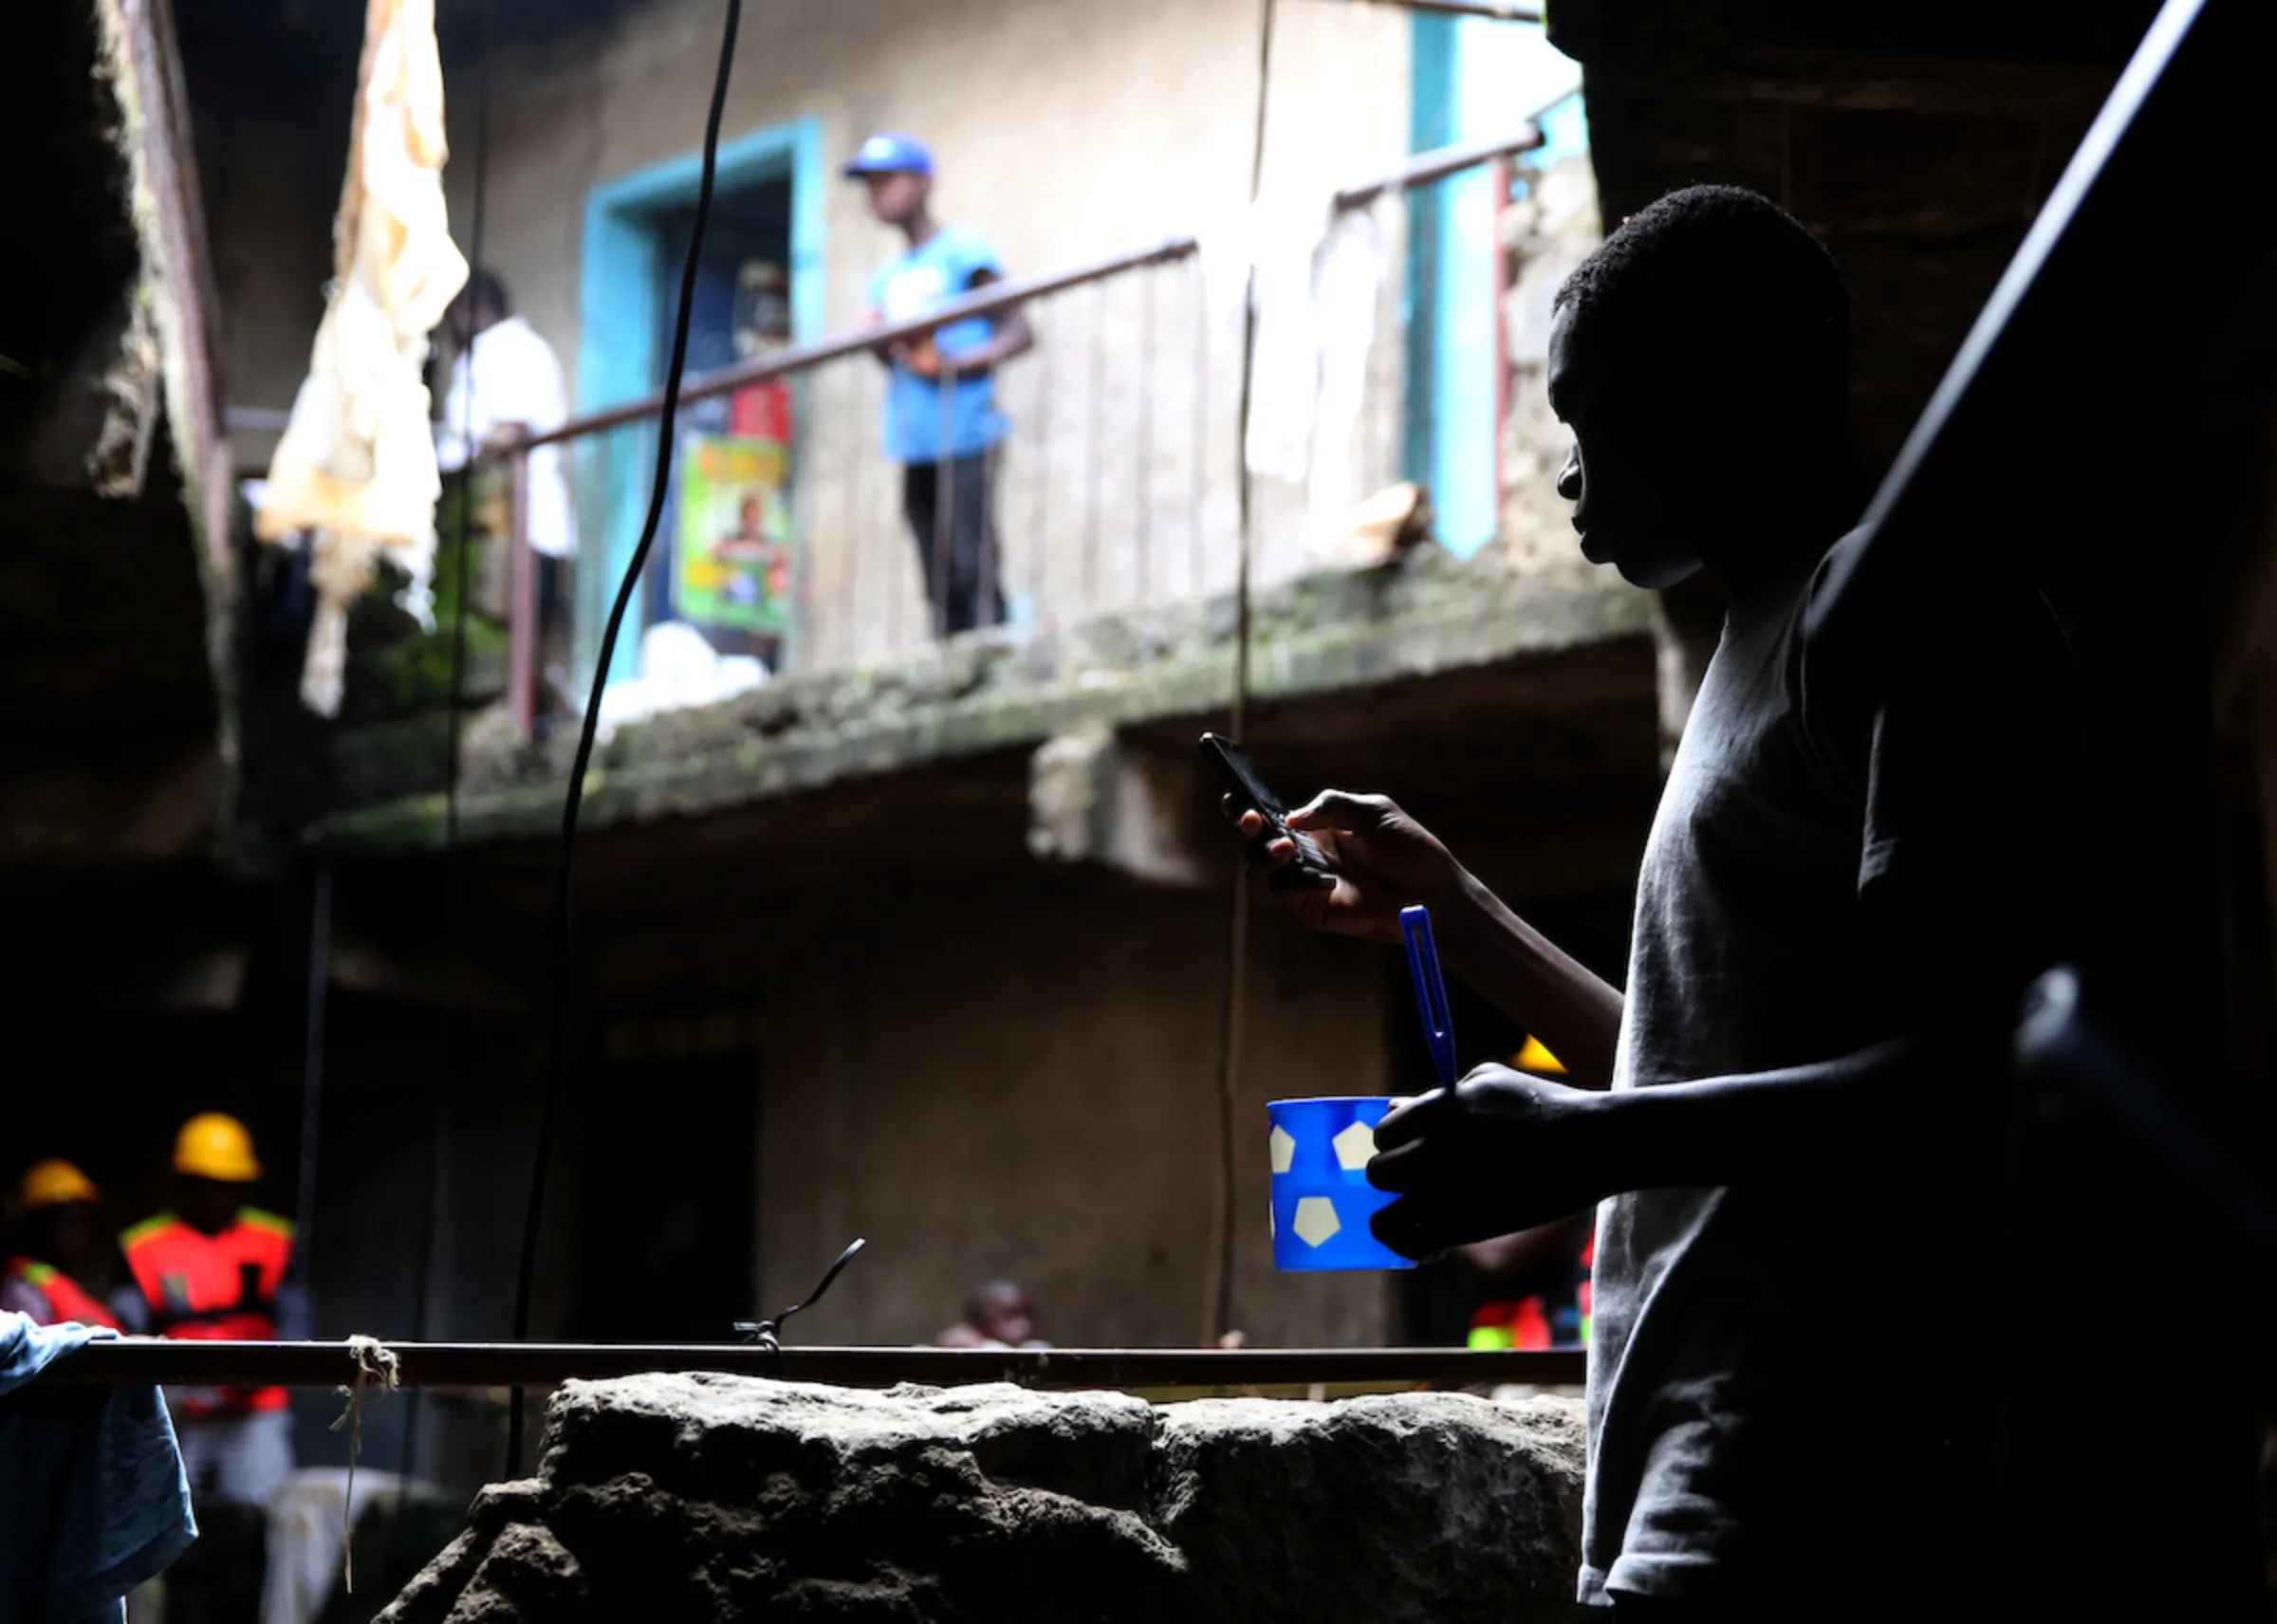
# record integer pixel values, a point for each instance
(1380, 861)
(1965, 761)
(1013, 336)
(1503, 1151)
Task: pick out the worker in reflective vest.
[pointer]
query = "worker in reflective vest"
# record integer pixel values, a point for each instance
(216, 1268)
(56, 1240)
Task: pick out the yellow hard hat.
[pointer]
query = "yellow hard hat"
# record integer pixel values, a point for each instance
(53, 1182)
(216, 1147)
(1535, 1058)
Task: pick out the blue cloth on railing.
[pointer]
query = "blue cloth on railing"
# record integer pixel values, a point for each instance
(93, 1499)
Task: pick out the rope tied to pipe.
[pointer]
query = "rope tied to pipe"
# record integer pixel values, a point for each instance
(378, 1363)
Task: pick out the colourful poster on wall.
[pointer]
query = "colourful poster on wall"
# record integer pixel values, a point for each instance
(736, 537)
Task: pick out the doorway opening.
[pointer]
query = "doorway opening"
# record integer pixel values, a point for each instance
(724, 561)
(669, 1182)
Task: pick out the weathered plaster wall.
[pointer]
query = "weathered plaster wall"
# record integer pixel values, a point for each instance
(1031, 1091)
(1065, 131)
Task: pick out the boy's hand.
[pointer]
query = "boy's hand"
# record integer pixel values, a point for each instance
(1382, 861)
(1498, 1152)
(919, 354)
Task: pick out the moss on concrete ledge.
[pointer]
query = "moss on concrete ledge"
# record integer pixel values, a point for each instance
(1320, 634)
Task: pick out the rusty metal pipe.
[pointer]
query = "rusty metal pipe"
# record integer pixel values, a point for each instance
(1441, 162)
(543, 1365)
(993, 299)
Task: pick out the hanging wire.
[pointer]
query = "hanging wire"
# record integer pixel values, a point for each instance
(558, 1060)
(767, 1334)
(1220, 1311)
(439, 1104)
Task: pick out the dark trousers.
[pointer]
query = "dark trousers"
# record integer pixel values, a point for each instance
(955, 532)
(556, 594)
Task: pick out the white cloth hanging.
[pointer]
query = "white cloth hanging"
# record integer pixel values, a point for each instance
(1347, 285)
(1319, 276)
(355, 465)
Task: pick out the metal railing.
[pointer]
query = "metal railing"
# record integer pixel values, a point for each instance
(798, 546)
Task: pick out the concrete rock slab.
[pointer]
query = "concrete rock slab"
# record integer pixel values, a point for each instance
(714, 1497)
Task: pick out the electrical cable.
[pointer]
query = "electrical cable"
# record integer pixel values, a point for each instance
(1218, 1302)
(557, 1064)
(447, 1061)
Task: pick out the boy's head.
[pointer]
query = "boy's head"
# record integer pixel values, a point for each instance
(481, 304)
(1001, 1309)
(1702, 357)
(899, 172)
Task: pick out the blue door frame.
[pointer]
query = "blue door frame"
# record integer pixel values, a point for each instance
(619, 314)
(1450, 306)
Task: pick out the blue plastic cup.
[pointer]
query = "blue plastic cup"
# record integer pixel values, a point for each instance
(1322, 1196)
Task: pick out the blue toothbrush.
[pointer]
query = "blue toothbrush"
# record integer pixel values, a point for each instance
(1431, 991)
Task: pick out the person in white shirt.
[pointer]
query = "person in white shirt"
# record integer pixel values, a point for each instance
(516, 387)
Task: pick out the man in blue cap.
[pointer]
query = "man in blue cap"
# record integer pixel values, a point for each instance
(941, 419)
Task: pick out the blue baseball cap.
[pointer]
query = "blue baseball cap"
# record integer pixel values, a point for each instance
(889, 153)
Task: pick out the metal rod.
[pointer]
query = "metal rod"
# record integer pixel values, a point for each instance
(1382, 418)
(1195, 538)
(994, 300)
(944, 507)
(1482, 9)
(802, 416)
(1441, 162)
(1039, 535)
(312, 1070)
(850, 545)
(1095, 431)
(524, 653)
(1505, 174)
(542, 1364)
(1142, 483)
(988, 609)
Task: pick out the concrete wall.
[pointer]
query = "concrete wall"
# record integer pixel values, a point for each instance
(1024, 1087)
(270, 192)
(1068, 132)
(1033, 1094)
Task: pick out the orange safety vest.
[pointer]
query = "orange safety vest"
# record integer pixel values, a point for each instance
(213, 1288)
(67, 1298)
(1505, 1326)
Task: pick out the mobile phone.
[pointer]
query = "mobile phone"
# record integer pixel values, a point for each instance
(1249, 793)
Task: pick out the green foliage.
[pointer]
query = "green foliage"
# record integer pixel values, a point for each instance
(397, 670)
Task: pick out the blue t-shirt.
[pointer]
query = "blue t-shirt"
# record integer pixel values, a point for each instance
(919, 426)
